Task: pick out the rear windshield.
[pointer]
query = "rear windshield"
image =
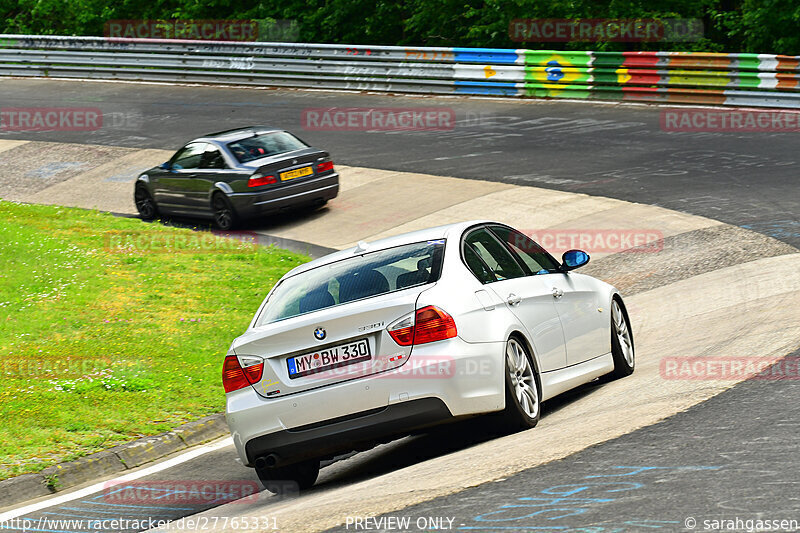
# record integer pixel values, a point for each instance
(356, 278)
(264, 145)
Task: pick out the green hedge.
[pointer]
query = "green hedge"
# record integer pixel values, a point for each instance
(761, 26)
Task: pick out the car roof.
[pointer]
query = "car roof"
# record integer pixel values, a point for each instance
(429, 234)
(237, 134)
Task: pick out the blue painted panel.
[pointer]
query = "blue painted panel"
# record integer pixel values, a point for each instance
(486, 87)
(491, 56)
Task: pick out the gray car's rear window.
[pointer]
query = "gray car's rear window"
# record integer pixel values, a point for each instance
(265, 145)
(355, 278)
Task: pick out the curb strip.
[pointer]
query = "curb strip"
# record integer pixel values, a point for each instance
(62, 476)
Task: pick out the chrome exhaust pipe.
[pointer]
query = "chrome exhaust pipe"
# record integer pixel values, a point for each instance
(267, 461)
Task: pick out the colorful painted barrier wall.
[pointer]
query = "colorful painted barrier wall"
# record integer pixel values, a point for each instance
(761, 80)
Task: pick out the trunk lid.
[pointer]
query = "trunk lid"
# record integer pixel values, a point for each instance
(344, 326)
(281, 165)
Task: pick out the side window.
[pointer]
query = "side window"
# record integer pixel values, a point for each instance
(477, 266)
(496, 257)
(189, 156)
(211, 158)
(534, 256)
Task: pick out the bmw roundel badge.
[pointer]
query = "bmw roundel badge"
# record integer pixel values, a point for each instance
(319, 334)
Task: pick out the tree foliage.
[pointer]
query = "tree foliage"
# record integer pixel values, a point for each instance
(760, 26)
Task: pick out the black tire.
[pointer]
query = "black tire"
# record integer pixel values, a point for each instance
(289, 479)
(523, 395)
(225, 215)
(622, 349)
(145, 204)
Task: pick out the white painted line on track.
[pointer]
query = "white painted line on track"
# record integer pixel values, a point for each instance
(169, 463)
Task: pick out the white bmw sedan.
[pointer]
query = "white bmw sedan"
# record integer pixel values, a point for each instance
(382, 340)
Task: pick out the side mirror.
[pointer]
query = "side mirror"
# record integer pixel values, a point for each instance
(573, 259)
(165, 166)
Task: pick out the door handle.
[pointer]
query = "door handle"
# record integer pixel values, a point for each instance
(557, 293)
(513, 299)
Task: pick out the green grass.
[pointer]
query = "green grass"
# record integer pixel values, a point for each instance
(112, 329)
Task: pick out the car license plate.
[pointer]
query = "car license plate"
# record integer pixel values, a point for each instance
(325, 359)
(296, 173)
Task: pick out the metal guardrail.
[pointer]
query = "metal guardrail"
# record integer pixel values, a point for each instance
(667, 77)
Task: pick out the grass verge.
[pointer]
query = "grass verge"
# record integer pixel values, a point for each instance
(112, 329)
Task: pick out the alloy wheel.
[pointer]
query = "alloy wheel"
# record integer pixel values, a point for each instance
(522, 380)
(622, 332)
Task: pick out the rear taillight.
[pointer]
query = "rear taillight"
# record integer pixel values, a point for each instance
(433, 324)
(325, 167)
(237, 376)
(257, 180)
(428, 324)
(402, 331)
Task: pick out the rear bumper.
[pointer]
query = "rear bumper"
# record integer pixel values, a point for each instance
(316, 190)
(375, 425)
(439, 381)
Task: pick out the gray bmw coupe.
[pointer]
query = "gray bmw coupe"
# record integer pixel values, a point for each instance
(238, 174)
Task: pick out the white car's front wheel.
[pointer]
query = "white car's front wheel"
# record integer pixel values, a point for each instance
(621, 341)
(523, 400)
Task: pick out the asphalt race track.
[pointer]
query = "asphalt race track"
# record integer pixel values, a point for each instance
(726, 458)
(619, 151)
(697, 466)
